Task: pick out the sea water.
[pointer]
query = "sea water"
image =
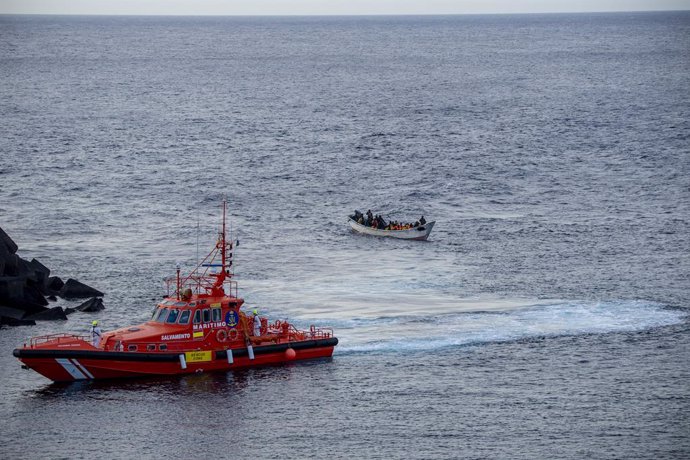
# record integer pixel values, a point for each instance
(546, 317)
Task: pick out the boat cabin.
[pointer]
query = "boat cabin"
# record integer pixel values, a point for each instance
(174, 311)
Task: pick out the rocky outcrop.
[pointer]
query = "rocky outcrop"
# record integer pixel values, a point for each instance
(7, 321)
(91, 305)
(24, 286)
(55, 284)
(48, 314)
(7, 242)
(73, 289)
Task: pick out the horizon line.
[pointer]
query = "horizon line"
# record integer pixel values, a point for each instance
(347, 14)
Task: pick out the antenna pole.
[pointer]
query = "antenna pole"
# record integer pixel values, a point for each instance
(178, 281)
(222, 239)
(197, 237)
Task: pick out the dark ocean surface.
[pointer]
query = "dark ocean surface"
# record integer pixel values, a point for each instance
(546, 317)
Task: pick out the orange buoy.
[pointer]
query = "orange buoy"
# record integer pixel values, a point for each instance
(290, 354)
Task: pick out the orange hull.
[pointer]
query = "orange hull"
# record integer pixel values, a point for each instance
(83, 364)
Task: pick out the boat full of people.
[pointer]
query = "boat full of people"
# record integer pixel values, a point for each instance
(376, 225)
(198, 327)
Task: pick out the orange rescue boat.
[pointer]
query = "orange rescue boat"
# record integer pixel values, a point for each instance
(198, 327)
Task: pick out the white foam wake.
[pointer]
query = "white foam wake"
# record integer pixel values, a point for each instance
(426, 332)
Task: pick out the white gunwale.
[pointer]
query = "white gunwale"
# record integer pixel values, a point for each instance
(420, 232)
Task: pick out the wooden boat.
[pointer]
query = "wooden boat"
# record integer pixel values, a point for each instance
(420, 232)
(198, 327)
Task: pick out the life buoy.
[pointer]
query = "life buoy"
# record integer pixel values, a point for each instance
(233, 334)
(221, 335)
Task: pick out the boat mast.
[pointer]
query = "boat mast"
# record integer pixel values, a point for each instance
(212, 282)
(222, 239)
(222, 247)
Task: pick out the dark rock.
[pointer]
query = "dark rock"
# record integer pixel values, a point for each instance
(92, 305)
(6, 241)
(25, 270)
(11, 288)
(4, 255)
(55, 283)
(12, 265)
(33, 295)
(52, 298)
(73, 289)
(16, 293)
(41, 272)
(69, 310)
(12, 312)
(5, 321)
(29, 308)
(48, 314)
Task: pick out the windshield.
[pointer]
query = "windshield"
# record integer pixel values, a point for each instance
(172, 316)
(162, 314)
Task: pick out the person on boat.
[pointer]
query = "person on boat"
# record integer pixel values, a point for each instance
(95, 334)
(369, 219)
(422, 220)
(381, 222)
(356, 216)
(257, 322)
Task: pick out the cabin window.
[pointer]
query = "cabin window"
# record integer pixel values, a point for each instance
(180, 304)
(153, 314)
(131, 348)
(168, 302)
(207, 315)
(162, 314)
(172, 316)
(151, 347)
(184, 317)
(197, 317)
(162, 347)
(216, 314)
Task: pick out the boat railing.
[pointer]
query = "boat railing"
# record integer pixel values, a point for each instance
(313, 333)
(60, 337)
(199, 284)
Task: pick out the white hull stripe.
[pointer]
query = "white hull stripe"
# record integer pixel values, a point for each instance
(71, 368)
(83, 368)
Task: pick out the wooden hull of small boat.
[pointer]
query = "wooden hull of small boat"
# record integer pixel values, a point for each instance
(416, 233)
(62, 365)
